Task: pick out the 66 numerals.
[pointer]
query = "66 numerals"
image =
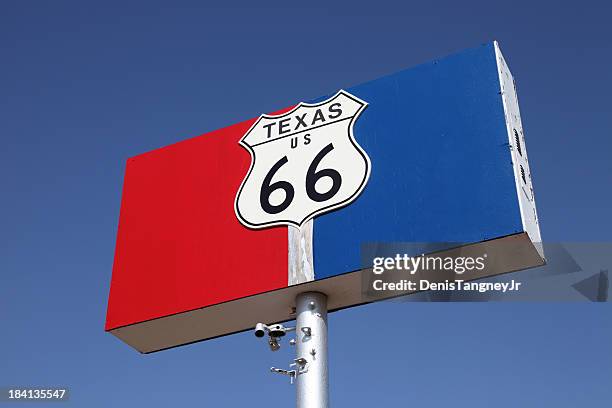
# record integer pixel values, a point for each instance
(312, 176)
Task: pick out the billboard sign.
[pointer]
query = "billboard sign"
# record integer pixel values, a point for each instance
(221, 231)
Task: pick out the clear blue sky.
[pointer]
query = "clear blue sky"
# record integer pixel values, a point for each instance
(84, 86)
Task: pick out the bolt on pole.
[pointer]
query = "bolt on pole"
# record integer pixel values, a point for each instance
(312, 385)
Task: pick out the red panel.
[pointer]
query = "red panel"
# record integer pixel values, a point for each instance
(180, 246)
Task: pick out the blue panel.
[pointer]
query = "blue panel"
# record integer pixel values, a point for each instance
(441, 165)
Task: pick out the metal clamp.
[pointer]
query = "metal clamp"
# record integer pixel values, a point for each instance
(301, 367)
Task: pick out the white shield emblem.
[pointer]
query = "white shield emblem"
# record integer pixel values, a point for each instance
(304, 162)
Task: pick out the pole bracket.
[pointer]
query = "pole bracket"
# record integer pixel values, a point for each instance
(301, 367)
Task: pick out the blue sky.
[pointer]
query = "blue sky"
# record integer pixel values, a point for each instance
(84, 86)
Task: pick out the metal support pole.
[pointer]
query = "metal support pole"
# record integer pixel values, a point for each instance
(312, 383)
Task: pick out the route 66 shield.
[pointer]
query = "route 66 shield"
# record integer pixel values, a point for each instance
(303, 163)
